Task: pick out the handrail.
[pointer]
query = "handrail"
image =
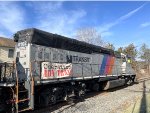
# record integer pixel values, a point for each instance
(17, 88)
(7, 72)
(14, 76)
(32, 79)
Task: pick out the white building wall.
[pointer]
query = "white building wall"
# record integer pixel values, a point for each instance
(4, 55)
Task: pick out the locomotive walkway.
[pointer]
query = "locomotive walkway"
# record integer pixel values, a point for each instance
(132, 99)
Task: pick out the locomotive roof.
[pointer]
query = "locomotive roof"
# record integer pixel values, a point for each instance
(39, 37)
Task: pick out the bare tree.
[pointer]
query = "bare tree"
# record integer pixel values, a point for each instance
(110, 46)
(120, 49)
(89, 35)
(145, 55)
(131, 51)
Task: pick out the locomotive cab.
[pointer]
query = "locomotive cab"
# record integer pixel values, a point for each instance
(126, 65)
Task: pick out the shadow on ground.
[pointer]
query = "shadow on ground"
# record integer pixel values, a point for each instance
(73, 101)
(143, 107)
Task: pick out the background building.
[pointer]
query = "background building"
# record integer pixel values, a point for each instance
(7, 50)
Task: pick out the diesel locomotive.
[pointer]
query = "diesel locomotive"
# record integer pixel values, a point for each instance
(49, 68)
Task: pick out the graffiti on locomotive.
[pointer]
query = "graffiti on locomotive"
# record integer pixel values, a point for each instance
(56, 70)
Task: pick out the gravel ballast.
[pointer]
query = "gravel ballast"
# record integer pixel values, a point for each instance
(112, 101)
(128, 99)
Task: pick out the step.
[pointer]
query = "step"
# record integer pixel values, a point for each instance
(23, 91)
(22, 100)
(26, 109)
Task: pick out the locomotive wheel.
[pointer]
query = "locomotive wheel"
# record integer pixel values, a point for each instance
(133, 79)
(44, 100)
(52, 99)
(96, 87)
(47, 99)
(79, 93)
(65, 97)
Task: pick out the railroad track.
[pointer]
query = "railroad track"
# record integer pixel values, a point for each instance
(72, 101)
(143, 79)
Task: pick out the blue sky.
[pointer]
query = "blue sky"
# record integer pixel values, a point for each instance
(119, 23)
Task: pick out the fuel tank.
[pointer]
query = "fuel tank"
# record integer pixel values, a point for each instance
(113, 84)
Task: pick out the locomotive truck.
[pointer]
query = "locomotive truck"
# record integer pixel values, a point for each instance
(49, 67)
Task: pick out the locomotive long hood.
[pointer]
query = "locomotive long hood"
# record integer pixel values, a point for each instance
(39, 37)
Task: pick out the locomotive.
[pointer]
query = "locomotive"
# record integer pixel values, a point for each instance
(49, 68)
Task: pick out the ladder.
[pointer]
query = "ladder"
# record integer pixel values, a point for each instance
(24, 95)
